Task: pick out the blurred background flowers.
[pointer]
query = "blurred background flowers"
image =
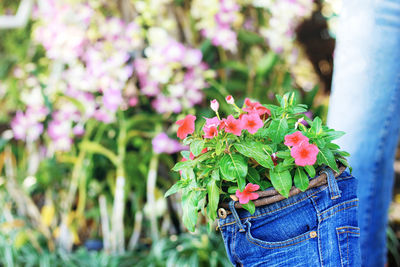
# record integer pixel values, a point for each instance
(89, 93)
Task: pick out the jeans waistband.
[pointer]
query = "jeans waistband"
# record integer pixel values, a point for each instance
(238, 215)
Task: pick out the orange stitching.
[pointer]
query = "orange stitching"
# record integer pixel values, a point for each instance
(340, 251)
(347, 227)
(291, 204)
(281, 242)
(350, 233)
(337, 212)
(343, 203)
(276, 247)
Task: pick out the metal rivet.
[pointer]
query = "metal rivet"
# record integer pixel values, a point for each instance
(222, 213)
(313, 234)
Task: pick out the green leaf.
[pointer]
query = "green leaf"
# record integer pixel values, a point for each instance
(219, 148)
(175, 188)
(282, 182)
(325, 156)
(332, 135)
(190, 199)
(332, 146)
(265, 184)
(185, 154)
(283, 154)
(253, 176)
(310, 170)
(213, 198)
(344, 153)
(300, 179)
(196, 147)
(316, 126)
(183, 165)
(215, 175)
(241, 182)
(277, 130)
(257, 151)
(233, 167)
(250, 37)
(250, 207)
(232, 189)
(346, 163)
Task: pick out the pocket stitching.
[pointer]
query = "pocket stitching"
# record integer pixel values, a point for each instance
(339, 211)
(260, 245)
(347, 232)
(278, 244)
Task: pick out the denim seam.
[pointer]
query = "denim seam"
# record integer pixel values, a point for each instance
(276, 247)
(349, 227)
(336, 206)
(291, 204)
(340, 251)
(314, 202)
(339, 211)
(248, 234)
(234, 247)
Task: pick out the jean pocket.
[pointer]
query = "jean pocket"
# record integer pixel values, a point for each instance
(348, 241)
(278, 244)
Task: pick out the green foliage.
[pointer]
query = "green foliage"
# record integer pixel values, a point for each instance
(261, 158)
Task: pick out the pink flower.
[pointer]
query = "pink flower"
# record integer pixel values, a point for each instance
(214, 105)
(186, 126)
(230, 99)
(247, 194)
(295, 139)
(233, 126)
(210, 132)
(211, 127)
(304, 154)
(251, 122)
(256, 107)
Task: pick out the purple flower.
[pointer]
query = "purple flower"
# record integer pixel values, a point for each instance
(25, 127)
(163, 144)
(112, 99)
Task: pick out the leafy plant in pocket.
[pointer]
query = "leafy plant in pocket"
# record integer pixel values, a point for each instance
(254, 148)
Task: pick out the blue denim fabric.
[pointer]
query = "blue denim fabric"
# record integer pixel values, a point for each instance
(365, 103)
(314, 228)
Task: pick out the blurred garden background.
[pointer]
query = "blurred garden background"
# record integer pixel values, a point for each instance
(89, 94)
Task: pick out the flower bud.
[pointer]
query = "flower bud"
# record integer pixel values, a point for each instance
(214, 105)
(230, 99)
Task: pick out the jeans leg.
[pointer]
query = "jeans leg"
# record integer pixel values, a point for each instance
(365, 103)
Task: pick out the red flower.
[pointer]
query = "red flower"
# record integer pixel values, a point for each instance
(210, 132)
(233, 126)
(255, 107)
(211, 127)
(251, 122)
(247, 194)
(304, 154)
(295, 139)
(186, 126)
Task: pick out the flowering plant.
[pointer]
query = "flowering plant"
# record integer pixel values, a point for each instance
(254, 148)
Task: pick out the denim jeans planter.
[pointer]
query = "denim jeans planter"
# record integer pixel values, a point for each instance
(317, 227)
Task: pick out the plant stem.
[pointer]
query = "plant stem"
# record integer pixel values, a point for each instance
(151, 185)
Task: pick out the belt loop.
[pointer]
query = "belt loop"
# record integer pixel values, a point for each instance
(236, 216)
(332, 183)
